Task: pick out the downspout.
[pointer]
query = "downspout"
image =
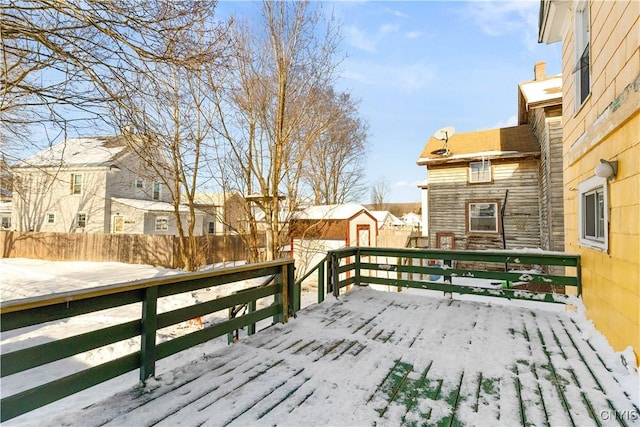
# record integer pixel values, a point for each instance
(504, 239)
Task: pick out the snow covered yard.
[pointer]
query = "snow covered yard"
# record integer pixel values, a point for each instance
(369, 358)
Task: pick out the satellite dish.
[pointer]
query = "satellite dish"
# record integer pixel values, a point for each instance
(443, 135)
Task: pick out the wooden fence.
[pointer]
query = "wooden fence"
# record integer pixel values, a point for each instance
(128, 248)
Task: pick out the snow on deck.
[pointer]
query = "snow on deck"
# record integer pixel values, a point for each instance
(374, 358)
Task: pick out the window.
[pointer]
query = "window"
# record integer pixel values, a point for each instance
(211, 227)
(81, 220)
(118, 224)
(76, 183)
(50, 218)
(593, 213)
(582, 42)
(6, 222)
(480, 171)
(162, 223)
(139, 183)
(483, 217)
(157, 190)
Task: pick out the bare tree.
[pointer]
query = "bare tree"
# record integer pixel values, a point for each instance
(379, 193)
(61, 60)
(279, 73)
(170, 108)
(333, 167)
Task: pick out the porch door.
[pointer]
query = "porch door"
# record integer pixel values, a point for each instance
(118, 224)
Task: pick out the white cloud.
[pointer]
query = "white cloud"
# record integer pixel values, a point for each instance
(406, 77)
(359, 39)
(368, 40)
(397, 13)
(413, 34)
(498, 18)
(387, 29)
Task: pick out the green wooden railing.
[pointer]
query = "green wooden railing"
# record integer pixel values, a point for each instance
(320, 270)
(440, 270)
(412, 268)
(35, 311)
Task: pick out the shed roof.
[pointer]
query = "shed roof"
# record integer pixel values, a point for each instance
(493, 143)
(94, 151)
(342, 211)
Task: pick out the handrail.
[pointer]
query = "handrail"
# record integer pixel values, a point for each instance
(365, 271)
(319, 267)
(32, 311)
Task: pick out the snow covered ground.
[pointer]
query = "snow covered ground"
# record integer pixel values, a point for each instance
(21, 278)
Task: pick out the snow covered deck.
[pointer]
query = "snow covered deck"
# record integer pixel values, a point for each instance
(374, 358)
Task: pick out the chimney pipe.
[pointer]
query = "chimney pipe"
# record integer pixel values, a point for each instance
(539, 70)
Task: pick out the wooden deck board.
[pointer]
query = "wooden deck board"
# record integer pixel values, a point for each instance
(387, 359)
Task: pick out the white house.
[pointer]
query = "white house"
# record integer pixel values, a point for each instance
(387, 220)
(98, 185)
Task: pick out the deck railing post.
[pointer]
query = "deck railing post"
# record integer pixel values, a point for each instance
(321, 276)
(357, 268)
(279, 297)
(148, 336)
(251, 307)
(335, 274)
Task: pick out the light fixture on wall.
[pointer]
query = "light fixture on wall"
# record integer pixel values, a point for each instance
(607, 169)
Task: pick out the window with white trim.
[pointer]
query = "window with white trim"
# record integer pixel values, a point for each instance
(162, 223)
(480, 171)
(50, 218)
(76, 183)
(582, 43)
(211, 227)
(157, 190)
(593, 213)
(139, 183)
(81, 220)
(483, 217)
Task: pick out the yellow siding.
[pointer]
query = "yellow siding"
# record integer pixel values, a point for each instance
(607, 126)
(611, 285)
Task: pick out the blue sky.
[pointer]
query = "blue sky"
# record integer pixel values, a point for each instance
(417, 66)
(421, 65)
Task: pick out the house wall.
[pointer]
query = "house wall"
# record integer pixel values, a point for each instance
(607, 126)
(547, 126)
(449, 193)
(39, 191)
(137, 221)
(122, 183)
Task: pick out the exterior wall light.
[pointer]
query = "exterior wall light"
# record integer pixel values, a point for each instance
(607, 169)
